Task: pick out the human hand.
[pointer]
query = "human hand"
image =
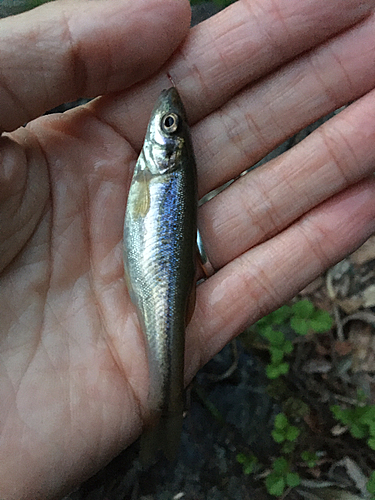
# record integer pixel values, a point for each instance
(73, 368)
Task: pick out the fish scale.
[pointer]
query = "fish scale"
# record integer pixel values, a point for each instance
(159, 261)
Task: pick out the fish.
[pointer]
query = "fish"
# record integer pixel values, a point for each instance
(160, 255)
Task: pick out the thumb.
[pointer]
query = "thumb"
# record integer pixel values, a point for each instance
(64, 50)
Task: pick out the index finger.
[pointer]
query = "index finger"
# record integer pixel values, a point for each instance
(230, 51)
(64, 50)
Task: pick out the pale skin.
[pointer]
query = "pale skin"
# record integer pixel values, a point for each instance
(73, 370)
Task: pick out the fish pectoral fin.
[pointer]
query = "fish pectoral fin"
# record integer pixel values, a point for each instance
(142, 193)
(164, 437)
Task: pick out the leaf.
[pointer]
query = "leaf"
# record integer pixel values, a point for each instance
(362, 338)
(278, 436)
(248, 462)
(281, 315)
(358, 431)
(340, 414)
(248, 468)
(281, 421)
(306, 455)
(280, 465)
(277, 338)
(295, 406)
(292, 433)
(371, 443)
(369, 296)
(275, 484)
(272, 371)
(262, 323)
(359, 413)
(368, 416)
(288, 447)
(241, 458)
(371, 483)
(283, 368)
(288, 347)
(299, 325)
(365, 253)
(266, 331)
(343, 348)
(310, 458)
(321, 321)
(277, 355)
(303, 309)
(293, 479)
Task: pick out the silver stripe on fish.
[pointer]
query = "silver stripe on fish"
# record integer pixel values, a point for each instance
(159, 259)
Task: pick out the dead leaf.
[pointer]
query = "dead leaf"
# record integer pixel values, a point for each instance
(343, 348)
(322, 350)
(369, 296)
(365, 253)
(313, 286)
(366, 316)
(354, 472)
(327, 494)
(351, 304)
(340, 269)
(317, 366)
(362, 339)
(315, 472)
(338, 430)
(312, 420)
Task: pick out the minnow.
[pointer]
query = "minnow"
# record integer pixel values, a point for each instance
(160, 253)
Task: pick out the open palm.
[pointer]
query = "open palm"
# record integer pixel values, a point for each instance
(73, 371)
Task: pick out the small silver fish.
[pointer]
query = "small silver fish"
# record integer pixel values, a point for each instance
(159, 259)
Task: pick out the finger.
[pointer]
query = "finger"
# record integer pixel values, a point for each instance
(66, 49)
(257, 120)
(24, 192)
(266, 276)
(268, 199)
(229, 51)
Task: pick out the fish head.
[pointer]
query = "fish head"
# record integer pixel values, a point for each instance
(167, 143)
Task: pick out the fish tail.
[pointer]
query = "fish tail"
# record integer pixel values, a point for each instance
(164, 437)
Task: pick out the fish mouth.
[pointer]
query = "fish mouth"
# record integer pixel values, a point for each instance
(170, 102)
(171, 95)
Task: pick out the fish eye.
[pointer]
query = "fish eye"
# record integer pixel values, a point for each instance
(169, 123)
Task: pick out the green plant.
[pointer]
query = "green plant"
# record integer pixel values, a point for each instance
(249, 463)
(278, 347)
(310, 458)
(299, 319)
(281, 477)
(302, 317)
(371, 485)
(306, 317)
(285, 432)
(360, 421)
(295, 407)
